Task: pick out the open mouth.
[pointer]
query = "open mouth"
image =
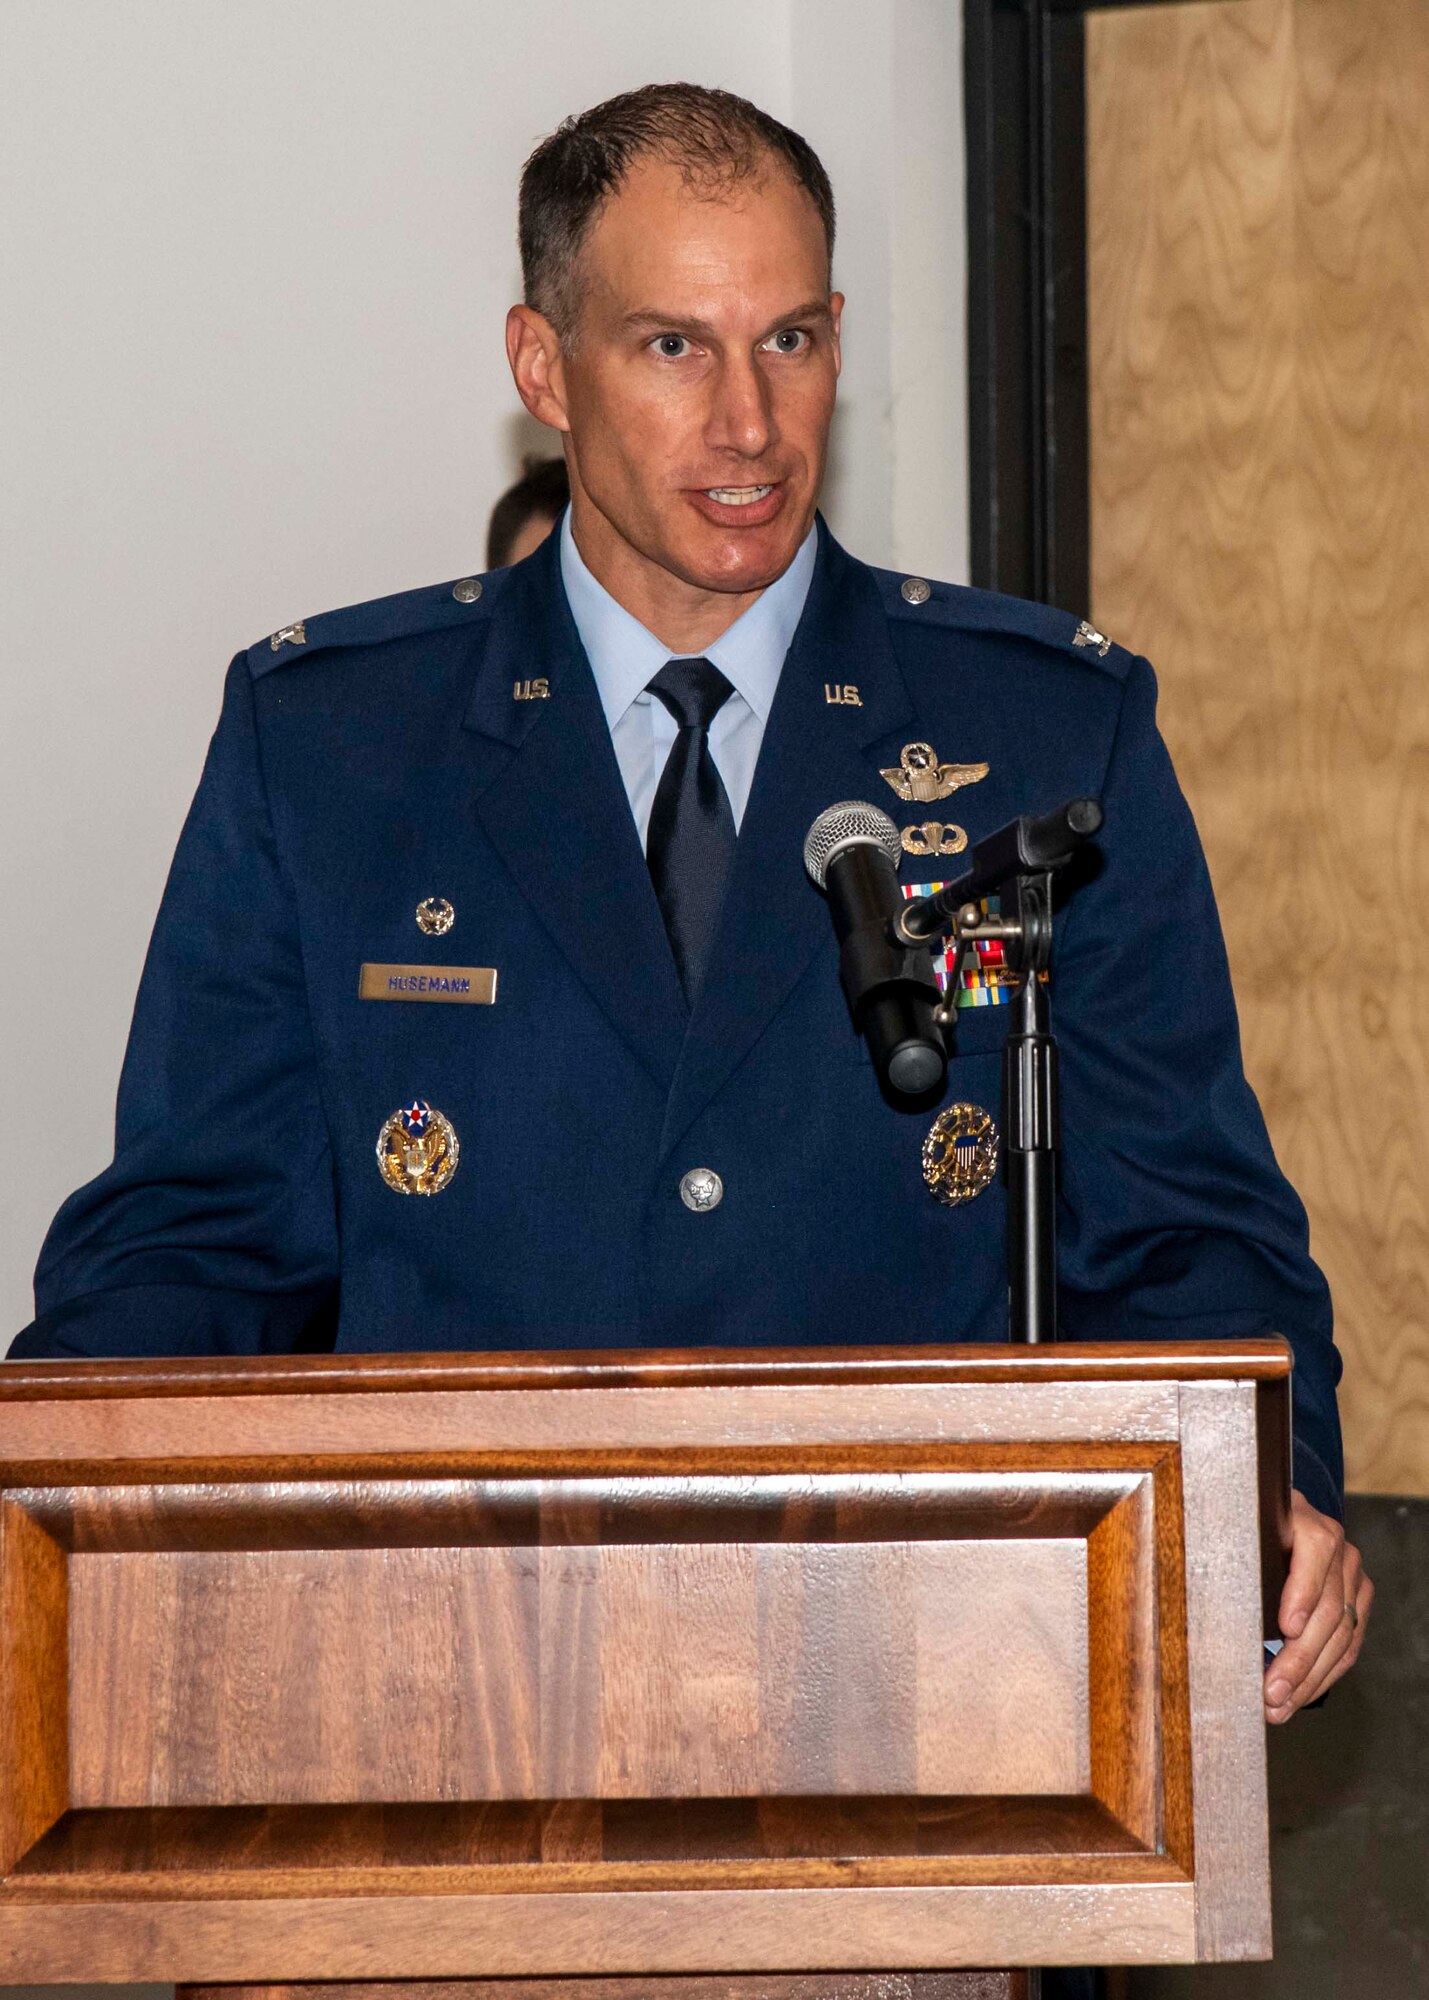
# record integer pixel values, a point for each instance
(738, 496)
(732, 507)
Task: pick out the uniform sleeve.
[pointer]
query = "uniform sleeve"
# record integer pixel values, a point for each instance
(1176, 1220)
(214, 1231)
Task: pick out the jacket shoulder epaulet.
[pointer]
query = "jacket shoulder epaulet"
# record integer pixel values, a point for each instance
(405, 615)
(957, 607)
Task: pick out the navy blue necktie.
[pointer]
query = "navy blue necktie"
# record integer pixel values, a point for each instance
(691, 835)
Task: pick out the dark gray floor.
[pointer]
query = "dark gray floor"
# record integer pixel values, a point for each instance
(1349, 1805)
(1349, 1794)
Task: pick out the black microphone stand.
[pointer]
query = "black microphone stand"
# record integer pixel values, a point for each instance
(1017, 865)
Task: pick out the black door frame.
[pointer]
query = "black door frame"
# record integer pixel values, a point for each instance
(1024, 91)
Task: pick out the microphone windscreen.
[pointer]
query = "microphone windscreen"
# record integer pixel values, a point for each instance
(847, 824)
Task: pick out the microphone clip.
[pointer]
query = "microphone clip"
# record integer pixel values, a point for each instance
(1024, 932)
(1027, 849)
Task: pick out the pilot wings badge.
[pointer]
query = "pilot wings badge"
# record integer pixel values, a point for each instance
(919, 779)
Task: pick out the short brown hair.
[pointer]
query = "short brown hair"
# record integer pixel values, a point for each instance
(714, 137)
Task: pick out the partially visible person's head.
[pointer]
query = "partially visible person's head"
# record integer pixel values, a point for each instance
(526, 512)
(679, 328)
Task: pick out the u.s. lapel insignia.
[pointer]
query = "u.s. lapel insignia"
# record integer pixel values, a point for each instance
(933, 838)
(417, 1150)
(1088, 635)
(919, 778)
(435, 916)
(960, 1154)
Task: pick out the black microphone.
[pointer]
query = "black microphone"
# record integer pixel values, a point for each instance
(852, 853)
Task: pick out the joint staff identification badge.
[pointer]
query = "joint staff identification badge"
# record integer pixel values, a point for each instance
(417, 1150)
(960, 1154)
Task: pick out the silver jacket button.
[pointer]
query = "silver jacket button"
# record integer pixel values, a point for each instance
(468, 590)
(701, 1188)
(916, 590)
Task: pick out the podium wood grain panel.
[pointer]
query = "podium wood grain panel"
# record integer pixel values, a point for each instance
(697, 1670)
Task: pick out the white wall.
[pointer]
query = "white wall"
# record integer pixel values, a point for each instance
(254, 263)
(877, 88)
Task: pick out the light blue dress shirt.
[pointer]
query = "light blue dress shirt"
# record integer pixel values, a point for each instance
(625, 658)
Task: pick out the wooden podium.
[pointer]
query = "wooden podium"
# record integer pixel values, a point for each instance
(745, 1673)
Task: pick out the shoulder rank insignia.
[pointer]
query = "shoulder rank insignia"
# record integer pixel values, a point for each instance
(919, 778)
(1088, 635)
(417, 1150)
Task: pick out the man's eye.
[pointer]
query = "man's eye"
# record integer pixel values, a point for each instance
(788, 340)
(671, 346)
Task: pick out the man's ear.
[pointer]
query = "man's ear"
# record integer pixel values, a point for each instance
(537, 368)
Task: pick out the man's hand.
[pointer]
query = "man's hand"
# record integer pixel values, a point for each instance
(1323, 1612)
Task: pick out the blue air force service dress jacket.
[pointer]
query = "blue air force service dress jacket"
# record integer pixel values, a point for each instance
(447, 747)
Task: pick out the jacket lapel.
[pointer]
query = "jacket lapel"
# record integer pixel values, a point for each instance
(815, 753)
(553, 805)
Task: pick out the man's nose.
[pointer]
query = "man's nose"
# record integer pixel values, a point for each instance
(742, 418)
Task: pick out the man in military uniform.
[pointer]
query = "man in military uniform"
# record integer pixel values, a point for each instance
(504, 878)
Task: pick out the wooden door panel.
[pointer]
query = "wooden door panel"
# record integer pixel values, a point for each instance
(1258, 243)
